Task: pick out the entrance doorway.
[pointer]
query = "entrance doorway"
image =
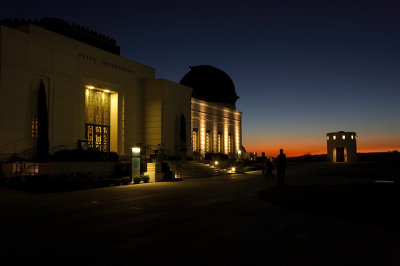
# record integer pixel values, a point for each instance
(101, 122)
(340, 154)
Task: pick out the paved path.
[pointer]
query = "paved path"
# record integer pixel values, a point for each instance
(223, 220)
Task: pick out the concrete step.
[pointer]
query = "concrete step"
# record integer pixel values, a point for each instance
(191, 169)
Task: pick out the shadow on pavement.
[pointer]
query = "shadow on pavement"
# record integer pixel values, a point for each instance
(375, 204)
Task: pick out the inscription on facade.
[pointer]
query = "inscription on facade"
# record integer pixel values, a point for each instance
(106, 63)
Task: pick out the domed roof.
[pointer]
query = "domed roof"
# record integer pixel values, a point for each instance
(210, 84)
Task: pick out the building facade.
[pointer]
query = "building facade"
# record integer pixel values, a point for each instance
(93, 95)
(216, 124)
(215, 129)
(341, 147)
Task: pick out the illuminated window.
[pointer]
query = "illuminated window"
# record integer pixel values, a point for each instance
(195, 139)
(334, 137)
(352, 137)
(343, 137)
(219, 142)
(208, 141)
(98, 108)
(327, 137)
(230, 143)
(34, 127)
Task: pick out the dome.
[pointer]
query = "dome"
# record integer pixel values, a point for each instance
(210, 84)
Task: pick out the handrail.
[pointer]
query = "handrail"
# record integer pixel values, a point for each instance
(32, 149)
(25, 152)
(11, 143)
(57, 148)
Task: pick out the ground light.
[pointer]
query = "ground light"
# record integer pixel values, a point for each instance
(135, 161)
(232, 170)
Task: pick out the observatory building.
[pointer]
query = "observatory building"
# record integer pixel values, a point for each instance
(109, 102)
(341, 147)
(216, 124)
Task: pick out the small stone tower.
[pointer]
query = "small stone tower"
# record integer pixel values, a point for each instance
(342, 147)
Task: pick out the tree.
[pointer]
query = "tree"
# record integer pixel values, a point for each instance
(43, 126)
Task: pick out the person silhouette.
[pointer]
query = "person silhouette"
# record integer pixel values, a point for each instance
(268, 168)
(280, 165)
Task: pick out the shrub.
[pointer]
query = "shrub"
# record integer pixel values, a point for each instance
(146, 178)
(137, 179)
(126, 180)
(116, 181)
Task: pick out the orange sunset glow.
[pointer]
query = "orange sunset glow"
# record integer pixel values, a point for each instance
(293, 148)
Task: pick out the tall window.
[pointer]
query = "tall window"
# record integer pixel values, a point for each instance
(195, 139)
(34, 127)
(98, 119)
(208, 141)
(219, 142)
(230, 143)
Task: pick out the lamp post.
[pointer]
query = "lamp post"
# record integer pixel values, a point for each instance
(135, 161)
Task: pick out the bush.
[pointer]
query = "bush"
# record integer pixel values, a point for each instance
(137, 179)
(116, 181)
(146, 178)
(126, 180)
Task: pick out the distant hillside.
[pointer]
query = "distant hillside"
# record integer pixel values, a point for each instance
(309, 158)
(392, 156)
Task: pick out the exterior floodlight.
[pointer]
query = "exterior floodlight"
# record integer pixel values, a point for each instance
(233, 169)
(216, 162)
(106, 91)
(90, 87)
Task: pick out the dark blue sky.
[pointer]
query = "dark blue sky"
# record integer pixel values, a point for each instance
(301, 68)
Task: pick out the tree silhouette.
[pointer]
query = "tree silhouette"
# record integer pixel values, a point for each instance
(43, 127)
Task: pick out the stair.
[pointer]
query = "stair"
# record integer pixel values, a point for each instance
(194, 169)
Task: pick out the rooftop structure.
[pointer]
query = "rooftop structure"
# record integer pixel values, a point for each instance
(211, 84)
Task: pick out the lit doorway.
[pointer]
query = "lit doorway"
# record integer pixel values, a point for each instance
(101, 108)
(340, 154)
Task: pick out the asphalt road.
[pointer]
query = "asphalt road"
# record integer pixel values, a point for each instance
(224, 220)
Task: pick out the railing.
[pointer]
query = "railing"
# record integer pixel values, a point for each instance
(21, 160)
(10, 146)
(29, 154)
(57, 148)
(25, 155)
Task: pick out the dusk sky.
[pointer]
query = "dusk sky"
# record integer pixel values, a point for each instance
(301, 68)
